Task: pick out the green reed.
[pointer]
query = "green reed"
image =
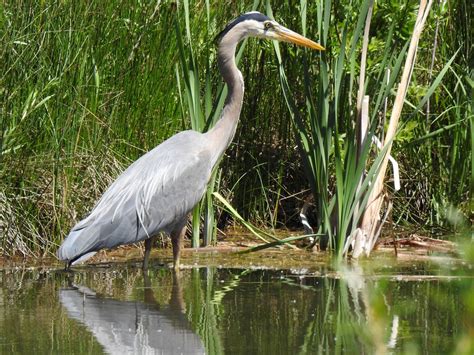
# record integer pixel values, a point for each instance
(326, 122)
(84, 92)
(86, 88)
(202, 111)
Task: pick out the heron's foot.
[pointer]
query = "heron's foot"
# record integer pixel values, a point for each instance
(172, 265)
(156, 264)
(67, 269)
(67, 266)
(175, 268)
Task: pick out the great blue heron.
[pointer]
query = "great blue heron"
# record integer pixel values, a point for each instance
(157, 192)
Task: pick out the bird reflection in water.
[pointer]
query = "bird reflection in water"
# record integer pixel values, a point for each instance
(132, 326)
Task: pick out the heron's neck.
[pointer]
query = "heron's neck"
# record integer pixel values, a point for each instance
(221, 135)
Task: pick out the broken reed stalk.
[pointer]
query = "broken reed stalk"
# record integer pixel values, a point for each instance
(362, 122)
(363, 60)
(372, 213)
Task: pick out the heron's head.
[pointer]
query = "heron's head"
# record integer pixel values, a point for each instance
(255, 24)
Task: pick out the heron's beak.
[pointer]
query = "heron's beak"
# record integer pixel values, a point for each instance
(287, 35)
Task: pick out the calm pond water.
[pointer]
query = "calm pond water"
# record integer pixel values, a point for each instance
(233, 311)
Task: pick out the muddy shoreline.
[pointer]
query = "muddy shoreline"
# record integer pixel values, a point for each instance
(412, 260)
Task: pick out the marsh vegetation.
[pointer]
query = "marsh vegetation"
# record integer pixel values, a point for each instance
(86, 88)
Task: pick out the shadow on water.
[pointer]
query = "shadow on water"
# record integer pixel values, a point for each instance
(132, 326)
(234, 311)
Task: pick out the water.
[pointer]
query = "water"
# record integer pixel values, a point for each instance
(120, 310)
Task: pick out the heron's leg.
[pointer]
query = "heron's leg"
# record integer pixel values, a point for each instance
(148, 245)
(177, 240)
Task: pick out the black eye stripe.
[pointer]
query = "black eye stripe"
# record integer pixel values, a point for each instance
(257, 16)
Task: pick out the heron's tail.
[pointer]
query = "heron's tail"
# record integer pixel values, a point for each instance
(78, 246)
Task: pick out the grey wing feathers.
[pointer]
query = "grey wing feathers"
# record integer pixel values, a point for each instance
(154, 194)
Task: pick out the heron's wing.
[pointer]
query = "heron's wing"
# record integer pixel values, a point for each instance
(154, 194)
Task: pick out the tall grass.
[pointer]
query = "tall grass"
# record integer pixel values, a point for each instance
(83, 94)
(203, 113)
(86, 88)
(438, 139)
(327, 138)
(328, 135)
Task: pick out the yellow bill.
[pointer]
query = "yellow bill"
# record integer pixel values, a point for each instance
(287, 35)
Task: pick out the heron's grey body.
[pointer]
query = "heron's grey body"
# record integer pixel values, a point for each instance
(157, 192)
(153, 195)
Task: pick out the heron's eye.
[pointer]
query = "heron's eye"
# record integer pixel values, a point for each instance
(267, 25)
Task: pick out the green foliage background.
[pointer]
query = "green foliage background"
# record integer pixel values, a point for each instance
(88, 87)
